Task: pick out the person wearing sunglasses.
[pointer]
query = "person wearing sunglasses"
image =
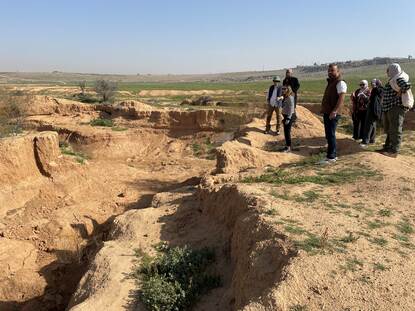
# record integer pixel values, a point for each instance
(360, 102)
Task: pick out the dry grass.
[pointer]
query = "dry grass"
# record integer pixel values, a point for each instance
(13, 109)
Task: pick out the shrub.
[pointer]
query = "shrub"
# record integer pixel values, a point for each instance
(106, 89)
(13, 109)
(175, 278)
(102, 122)
(82, 86)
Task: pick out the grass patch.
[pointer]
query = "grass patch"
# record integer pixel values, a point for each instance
(308, 196)
(379, 267)
(119, 129)
(298, 308)
(376, 224)
(66, 149)
(271, 212)
(401, 238)
(405, 227)
(280, 176)
(294, 229)
(102, 122)
(379, 241)
(350, 238)
(385, 212)
(352, 264)
(175, 278)
(312, 244)
(205, 149)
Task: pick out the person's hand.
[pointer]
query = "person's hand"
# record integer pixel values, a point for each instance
(333, 115)
(287, 121)
(280, 98)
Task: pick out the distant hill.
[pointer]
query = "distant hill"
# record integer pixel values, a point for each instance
(375, 66)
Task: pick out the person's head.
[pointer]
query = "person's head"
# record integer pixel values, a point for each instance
(286, 91)
(393, 70)
(333, 71)
(376, 83)
(276, 80)
(363, 84)
(289, 73)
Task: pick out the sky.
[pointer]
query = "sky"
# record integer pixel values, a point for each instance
(193, 36)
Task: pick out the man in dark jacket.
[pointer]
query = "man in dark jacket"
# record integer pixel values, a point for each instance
(331, 107)
(292, 82)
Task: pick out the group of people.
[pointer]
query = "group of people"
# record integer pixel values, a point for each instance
(369, 106)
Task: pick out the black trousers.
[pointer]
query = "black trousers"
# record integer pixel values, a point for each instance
(369, 134)
(359, 119)
(288, 123)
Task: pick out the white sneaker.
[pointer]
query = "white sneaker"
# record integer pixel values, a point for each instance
(363, 145)
(327, 161)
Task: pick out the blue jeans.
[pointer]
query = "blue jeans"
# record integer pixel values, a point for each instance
(330, 126)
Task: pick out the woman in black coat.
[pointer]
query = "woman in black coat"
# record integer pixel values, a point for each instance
(374, 113)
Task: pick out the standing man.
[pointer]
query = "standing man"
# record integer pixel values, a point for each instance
(394, 108)
(291, 82)
(274, 100)
(331, 106)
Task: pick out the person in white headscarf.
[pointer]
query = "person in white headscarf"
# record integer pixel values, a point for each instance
(360, 101)
(393, 109)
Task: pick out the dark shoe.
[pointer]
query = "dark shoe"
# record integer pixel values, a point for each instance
(286, 149)
(390, 154)
(382, 150)
(278, 132)
(266, 132)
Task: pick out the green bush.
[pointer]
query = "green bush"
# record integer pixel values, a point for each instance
(102, 122)
(175, 278)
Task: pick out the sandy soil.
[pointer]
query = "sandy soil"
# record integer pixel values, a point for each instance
(69, 223)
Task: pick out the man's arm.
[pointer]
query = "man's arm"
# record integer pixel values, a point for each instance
(296, 85)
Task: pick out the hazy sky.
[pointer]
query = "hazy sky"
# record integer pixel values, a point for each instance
(192, 36)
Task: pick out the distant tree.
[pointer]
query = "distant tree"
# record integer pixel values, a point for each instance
(82, 86)
(106, 89)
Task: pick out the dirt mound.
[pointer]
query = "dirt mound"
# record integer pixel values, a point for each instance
(251, 147)
(233, 157)
(27, 156)
(46, 105)
(25, 161)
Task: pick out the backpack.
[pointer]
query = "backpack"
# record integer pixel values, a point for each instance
(407, 97)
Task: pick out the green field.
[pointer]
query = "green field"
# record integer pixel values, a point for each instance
(312, 86)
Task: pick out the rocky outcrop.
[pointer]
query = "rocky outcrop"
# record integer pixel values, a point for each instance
(46, 105)
(18, 270)
(24, 162)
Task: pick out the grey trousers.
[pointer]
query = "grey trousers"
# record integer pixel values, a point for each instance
(393, 124)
